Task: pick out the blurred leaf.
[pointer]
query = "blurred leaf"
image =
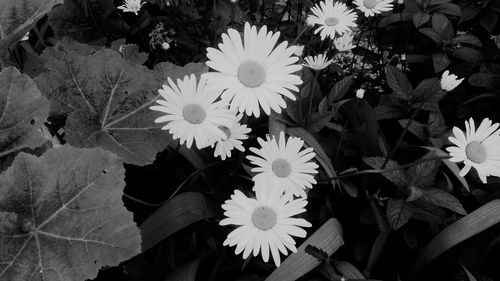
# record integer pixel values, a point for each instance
(468, 54)
(468, 226)
(107, 99)
(186, 272)
(70, 216)
(442, 199)
(423, 174)
(84, 21)
(431, 33)
(18, 16)
(440, 61)
(399, 212)
(420, 19)
(428, 91)
(165, 70)
(364, 121)
(488, 20)
(451, 165)
(177, 213)
(485, 80)
(442, 26)
(23, 110)
(318, 121)
(449, 9)
(398, 82)
(467, 39)
(340, 89)
(416, 128)
(397, 177)
(393, 18)
(348, 270)
(328, 238)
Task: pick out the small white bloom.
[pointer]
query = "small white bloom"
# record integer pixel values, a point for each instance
(299, 50)
(192, 113)
(372, 7)
(121, 49)
(254, 72)
(344, 42)
(165, 46)
(281, 164)
(318, 62)
(478, 149)
(133, 6)
(333, 18)
(449, 81)
(265, 223)
(360, 93)
(26, 37)
(235, 134)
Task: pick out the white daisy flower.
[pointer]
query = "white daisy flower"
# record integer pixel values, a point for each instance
(344, 42)
(299, 50)
(333, 18)
(372, 7)
(282, 165)
(254, 72)
(449, 81)
(133, 6)
(235, 134)
(318, 62)
(360, 93)
(479, 148)
(266, 223)
(192, 112)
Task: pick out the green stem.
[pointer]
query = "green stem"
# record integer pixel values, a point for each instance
(381, 171)
(308, 117)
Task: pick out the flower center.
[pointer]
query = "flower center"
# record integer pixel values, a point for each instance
(264, 218)
(226, 131)
(476, 152)
(370, 4)
(193, 113)
(332, 21)
(281, 168)
(251, 74)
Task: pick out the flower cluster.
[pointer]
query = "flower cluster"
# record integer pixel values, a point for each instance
(253, 72)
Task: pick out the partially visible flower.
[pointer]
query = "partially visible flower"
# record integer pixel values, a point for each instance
(265, 224)
(281, 164)
(478, 149)
(26, 37)
(252, 72)
(333, 19)
(360, 93)
(133, 6)
(344, 42)
(165, 46)
(235, 134)
(318, 62)
(449, 81)
(192, 112)
(299, 50)
(121, 48)
(372, 7)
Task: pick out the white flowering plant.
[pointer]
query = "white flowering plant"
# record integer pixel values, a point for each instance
(249, 140)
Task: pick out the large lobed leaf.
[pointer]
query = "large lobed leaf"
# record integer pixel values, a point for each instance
(23, 109)
(16, 19)
(62, 217)
(107, 98)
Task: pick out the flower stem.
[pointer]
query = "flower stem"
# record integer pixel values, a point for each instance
(382, 171)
